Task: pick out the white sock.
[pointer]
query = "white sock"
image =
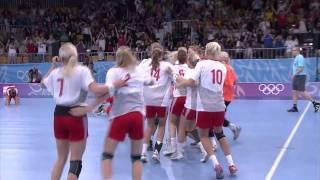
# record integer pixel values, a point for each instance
(144, 148)
(203, 151)
(232, 126)
(213, 141)
(214, 160)
(174, 144)
(229, 159)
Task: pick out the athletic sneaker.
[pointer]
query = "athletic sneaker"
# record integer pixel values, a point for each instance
(144, 158)
(316, 106)
(219, 172)
(236, 132)
(233, 170)
(205, 155)
(168, 150)
(176, 156)
(156, 157)
(194, 143)
(150, 147)
(293, 109)
(205, 158)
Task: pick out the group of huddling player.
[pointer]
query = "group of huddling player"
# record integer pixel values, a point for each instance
(188, 87)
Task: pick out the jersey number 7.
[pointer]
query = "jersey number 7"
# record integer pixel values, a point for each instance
(61, 80)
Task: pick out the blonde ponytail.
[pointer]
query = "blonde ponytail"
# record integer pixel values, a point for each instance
(67, 69)
(69, 56)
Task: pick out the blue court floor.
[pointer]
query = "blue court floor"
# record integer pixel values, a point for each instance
(27, 146)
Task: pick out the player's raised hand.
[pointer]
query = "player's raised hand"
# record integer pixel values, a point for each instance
(55, 59)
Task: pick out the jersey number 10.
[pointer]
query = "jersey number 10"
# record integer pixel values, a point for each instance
(216, 76)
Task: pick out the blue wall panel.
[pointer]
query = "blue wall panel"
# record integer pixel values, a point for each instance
(259, 70)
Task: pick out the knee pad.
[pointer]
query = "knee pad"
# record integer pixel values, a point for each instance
(106, 156)
(211, 133)
(220, 135)
(75, 167)
(156, 122)
(135, 158)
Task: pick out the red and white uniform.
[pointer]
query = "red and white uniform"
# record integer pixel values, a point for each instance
(210, 76)
(157, 96)
(69, 91)
(6, 90)
(179, 94)
(128, 106)
(10, 92)
(191, 99)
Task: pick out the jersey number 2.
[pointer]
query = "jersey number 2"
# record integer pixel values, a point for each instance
(61, 80)
(216, 76)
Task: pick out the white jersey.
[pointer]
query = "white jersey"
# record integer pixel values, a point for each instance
(180, 69)
(42, 47)
(210, 76)
(12, 51)
(6, 89)
(157, 94)
(129, 98)
(191, 98)
(145, 61)
(69, 90)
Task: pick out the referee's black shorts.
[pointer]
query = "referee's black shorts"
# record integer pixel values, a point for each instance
(299, 82)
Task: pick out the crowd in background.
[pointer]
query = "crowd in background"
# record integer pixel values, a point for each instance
(102, 26)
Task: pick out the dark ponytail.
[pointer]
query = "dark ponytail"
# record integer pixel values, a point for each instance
(156, 56)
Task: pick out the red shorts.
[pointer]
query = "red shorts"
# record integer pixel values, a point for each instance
(190, 114)
(155, 111)
(177, 105)
(131, 123)
(70, 127)
(206, 120)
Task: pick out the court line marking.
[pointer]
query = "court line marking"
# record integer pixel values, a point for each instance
(286, 145)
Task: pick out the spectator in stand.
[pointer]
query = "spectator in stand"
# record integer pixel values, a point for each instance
(21, 51)
(279, 45)
(302, 26)
(315, 4)
(101, 39)
(50, 42)
(268, 44)
(121, 37)
(42, 48)
(2, 48)
(144, 22)
(257, 6)
(87, 33)
(30, 49)
(289, 44)
(12, 51)
(81, 48)
(100, 53)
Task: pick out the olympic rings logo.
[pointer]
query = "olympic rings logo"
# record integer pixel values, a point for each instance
(271, 89)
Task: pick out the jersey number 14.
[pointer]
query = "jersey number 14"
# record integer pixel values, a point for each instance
(155, 73)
